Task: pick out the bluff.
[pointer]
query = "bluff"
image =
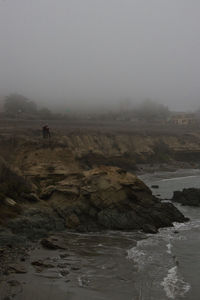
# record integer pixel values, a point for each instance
(89, 149)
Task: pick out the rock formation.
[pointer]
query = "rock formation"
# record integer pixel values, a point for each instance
(98, 199)
(109, 198)
(190, 197)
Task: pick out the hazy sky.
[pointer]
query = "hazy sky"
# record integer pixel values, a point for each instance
(101, 51)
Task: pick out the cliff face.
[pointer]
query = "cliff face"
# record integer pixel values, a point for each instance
(72, 152)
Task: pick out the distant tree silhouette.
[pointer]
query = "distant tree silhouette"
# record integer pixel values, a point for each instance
(149, 110)
(17, 104)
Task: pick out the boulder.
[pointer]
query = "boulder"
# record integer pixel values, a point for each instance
(155, 186)
(17, 268)
(53, 243)
(190, 197)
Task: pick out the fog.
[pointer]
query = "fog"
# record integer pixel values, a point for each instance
(96, 53)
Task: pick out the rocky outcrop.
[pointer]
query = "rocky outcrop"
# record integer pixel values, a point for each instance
(109, 198)
(190, 197)
(98, 199)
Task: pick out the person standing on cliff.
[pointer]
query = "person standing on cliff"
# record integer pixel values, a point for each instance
(46, 131)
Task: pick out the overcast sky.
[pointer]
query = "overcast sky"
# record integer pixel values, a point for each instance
(101, 51)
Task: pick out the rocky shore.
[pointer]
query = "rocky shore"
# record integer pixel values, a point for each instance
(64, 187)
(97, 199)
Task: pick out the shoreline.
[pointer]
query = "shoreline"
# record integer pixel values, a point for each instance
(64, 284)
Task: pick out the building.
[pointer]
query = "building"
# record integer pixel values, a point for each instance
(183, 119)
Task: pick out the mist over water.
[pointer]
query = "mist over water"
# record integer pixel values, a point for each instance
(95, 54)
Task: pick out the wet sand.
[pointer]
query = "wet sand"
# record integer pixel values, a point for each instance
(92, 266)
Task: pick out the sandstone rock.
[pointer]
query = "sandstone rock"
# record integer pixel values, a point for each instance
(10, 202)
(47, 192)
(111, 198)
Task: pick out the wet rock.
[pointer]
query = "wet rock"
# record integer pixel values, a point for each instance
(155, 186)
(62, 265)
(75, 268)
(17, 268)
(64, 255)
(190, 197)
(40, 263)
(64, 272)
(147, 228)
(53, 243)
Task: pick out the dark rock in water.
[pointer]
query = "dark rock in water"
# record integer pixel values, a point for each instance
(75, 268)
(62, 265)
(17, 268)
(52, 243)
(47, 243)
(190, 197)
(149, 228)
(40, 263)
(155, 186)
(64, 272)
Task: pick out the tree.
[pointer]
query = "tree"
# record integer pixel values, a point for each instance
(17, 104)
(45, 113)
(149, 110)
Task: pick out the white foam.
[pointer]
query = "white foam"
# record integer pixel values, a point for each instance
(137, 256)
(169, 248)
(178, 178)
(173, 285)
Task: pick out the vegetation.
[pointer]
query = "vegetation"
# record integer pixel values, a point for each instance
(19, 106)
(16, 104)
(149, 110)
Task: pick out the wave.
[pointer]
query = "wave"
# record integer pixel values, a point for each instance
(178, 178)
(174, 285)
